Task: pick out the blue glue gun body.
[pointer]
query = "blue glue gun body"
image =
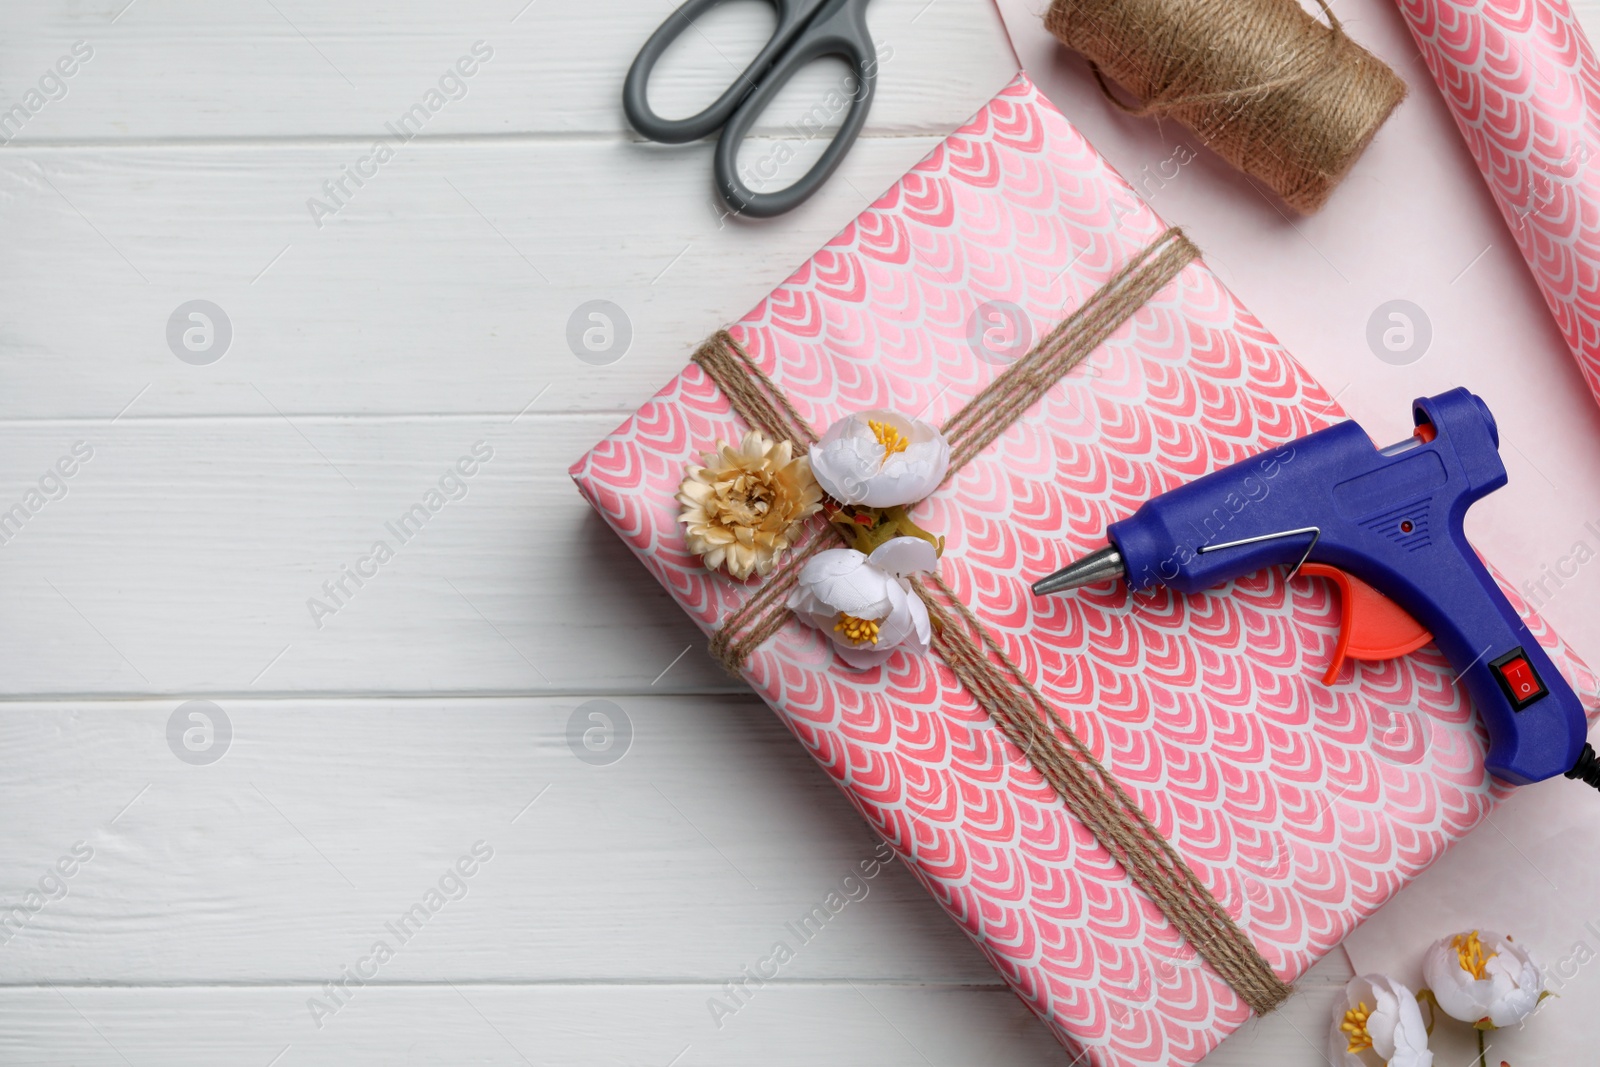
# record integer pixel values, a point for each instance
(1391, 517)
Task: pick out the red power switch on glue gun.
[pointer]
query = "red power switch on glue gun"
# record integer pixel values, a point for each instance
(1386, 526)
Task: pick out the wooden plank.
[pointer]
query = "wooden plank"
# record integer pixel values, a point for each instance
(195, 556)
(186, 69)
(447, 283)
(189, 556)
(323, 822)
(865, 1024)
(844, 1024)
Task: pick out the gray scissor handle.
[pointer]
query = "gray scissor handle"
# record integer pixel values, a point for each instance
(839, 29)
(792, 15)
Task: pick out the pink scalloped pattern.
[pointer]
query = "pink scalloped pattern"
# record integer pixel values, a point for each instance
(1301, 807)
(1521, 80)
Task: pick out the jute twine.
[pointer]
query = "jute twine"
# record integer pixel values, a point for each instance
(1270, 89)
(760, 402)
(996, 683)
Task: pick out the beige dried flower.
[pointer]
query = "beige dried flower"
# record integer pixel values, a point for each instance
(744, 507)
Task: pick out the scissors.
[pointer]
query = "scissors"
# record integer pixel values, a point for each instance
(807, 30)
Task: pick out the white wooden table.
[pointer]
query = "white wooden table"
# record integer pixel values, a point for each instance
(226, 868)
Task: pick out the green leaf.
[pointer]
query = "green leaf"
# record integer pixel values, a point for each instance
(866, 528)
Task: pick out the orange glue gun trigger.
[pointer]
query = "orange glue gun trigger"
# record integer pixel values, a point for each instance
(1371, 626)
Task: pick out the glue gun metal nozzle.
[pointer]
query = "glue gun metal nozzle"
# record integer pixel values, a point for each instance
(1097, 567)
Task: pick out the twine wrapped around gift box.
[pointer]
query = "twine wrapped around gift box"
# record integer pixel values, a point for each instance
(1015, 705)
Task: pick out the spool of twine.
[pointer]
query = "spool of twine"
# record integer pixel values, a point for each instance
(1269, 88)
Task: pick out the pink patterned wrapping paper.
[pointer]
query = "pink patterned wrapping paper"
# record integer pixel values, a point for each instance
(1301, 807)
(1521, 80)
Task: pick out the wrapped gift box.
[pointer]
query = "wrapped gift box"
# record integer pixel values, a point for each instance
(1301, 807)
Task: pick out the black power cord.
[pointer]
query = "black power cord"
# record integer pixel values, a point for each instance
(1587, 768)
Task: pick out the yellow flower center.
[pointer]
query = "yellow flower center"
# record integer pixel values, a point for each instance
(1469, 950)
(857, 631)
(890, 438)
(1355, 1025)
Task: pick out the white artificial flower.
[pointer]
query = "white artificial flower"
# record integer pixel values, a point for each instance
(880, 459)
(1378, 1023)
(1483, 978)
(864, 604)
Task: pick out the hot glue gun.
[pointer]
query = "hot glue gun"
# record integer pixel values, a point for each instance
(1385, 524)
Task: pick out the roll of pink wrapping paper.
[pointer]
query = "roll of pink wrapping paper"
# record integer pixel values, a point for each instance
(1522, 81)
